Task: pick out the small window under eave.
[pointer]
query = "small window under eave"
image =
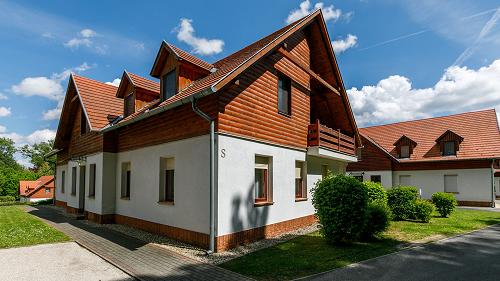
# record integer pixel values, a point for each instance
(169, 84)
(449, 143)
(404, 147)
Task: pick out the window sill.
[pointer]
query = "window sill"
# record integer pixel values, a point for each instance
(166, 203)
(285, 114)
(125, 198)
(260, 204)
(300, 199)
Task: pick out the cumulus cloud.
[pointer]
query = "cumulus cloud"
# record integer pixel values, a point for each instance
(3, 97)
(35, 137)
(341, 45)
(3, 129)
(4, 111)
(87, 33)
(85, 38)
(115, 82)
(201, 46)
(394, 99)
(48, 87)
(305, 8)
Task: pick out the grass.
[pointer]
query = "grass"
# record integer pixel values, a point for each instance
(309, 254)
(18, 228)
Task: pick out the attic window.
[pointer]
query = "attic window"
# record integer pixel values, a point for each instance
(449, 148)
(404, 146)
(169, 85)
(405, 151)
(449, 143)
(129, 105)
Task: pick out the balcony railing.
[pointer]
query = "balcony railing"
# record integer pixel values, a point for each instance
(322, 136)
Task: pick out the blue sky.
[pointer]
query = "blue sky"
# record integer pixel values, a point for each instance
(399, 60)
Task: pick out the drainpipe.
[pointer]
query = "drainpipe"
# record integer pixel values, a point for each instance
(493, 183)
(205, 116)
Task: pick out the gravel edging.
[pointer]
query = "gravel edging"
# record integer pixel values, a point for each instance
(194, 252)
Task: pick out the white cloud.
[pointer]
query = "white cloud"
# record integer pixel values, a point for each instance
(201, 46)
(3, 129)
(4, 111)
(85, 38)
(394, 99)
(48, 87)
(35, 137)
(77, 42)
(3, 97)
(341, 45)
(115, 82)
(87, 33)
(329, 12)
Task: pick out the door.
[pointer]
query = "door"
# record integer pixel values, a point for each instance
(81, 190)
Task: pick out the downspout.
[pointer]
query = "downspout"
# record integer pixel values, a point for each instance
(205, 116)
(493, 183)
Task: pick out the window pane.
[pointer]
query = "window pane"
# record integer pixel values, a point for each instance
(129, 105)
(169, 84)
(449, 148)
(451, 183)
(405, 151)
(92, 180)
(169, 185)
(63, 179)
(376, 178)
(284, 94)
(260, 184)
(73, 180)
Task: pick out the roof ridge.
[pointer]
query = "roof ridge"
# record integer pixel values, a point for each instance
(91, 79)
(128, 72)
(430, 118)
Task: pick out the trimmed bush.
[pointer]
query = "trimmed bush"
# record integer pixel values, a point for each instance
(423, 210)
(445, 203)
(7, 198)
(341, 207)
(375, 191)
(378, 218)
(402, 200)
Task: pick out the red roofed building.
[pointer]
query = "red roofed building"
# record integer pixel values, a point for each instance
(457, 154)
(38, 190)
(214, 154)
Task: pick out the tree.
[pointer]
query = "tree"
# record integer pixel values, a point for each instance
(36, 155)
(7, 150)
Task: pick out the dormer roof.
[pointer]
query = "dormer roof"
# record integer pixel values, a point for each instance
(137, 82)
(404, 140)
(449, 135)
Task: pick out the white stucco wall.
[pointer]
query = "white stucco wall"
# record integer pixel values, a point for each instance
(94, 204)
(60, 196)
(236, 168)
(473, 184)
(191, 208)
(385, 176)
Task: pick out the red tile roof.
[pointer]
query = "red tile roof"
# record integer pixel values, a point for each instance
(26, 188)
(99, 100)
(144, 83)
(479, 130)
(190, 58)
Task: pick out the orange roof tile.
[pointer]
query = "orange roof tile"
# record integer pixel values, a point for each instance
(479, 130)
(190, 58)
(144, 83)
(99, 100)
(26, 188)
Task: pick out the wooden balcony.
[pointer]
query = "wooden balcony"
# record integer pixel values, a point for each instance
(324, 137)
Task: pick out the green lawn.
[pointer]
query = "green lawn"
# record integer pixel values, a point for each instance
(18, 228)
(310, 254)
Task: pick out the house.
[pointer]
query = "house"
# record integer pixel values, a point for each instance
(37, 190)
(215, 154)
(456, 154)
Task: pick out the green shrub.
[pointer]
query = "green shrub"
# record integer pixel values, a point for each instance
(402, 200)
(341, 206)
(375, 191)
(378, 218)
(7, 198)
(445, 203)
(423, 210)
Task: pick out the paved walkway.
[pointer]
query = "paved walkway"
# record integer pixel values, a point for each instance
(56, 262)
(474, 256)
(139, 259)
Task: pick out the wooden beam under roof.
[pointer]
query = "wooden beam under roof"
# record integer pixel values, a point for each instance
(304, 67)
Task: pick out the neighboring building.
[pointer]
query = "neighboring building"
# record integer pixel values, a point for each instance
(258, 127)
(38, 190)
(456, 154)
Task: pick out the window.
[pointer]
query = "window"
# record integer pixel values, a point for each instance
(129, 105)
(262, 183)
(376, 178)
(167, 174)
(169, 85)
(92, 180)
(125, 180)
(325, 171)
(83, 123)
(300, 180)
(449, 148)
(63, 181)
(284, 94)
(47, 190)
(73, 181)
(451, 183)
(359, 178)
(405, 151)
(404, 180)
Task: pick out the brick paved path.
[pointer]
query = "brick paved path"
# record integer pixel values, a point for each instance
(135, 257)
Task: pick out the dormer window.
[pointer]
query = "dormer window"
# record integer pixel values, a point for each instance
(129, 105)
(169, 85)
(404, 147)
(449, 143)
